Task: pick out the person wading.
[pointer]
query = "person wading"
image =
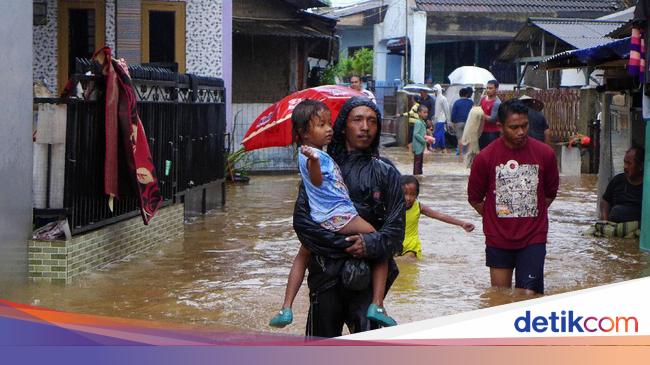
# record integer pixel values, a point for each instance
(511, 185)
(375, 189)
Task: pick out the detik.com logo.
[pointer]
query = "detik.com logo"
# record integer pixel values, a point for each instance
(567, 321)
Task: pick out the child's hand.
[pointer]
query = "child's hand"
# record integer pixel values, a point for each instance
(309, 153)
(468, 227)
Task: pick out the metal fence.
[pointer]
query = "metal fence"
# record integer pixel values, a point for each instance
(283, 159)
(561, 109)
(385, 96)
(274, 159)
(184, 120)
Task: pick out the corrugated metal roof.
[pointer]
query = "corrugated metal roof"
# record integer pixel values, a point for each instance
(574, 33)
(276, 28)
(340, 12)
(614, 50)
(579, 33)
(518, 6)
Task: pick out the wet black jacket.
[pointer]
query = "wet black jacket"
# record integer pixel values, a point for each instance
(375, 190)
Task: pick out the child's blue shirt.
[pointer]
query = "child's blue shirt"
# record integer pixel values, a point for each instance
(331, 198)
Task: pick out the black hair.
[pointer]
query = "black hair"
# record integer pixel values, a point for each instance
(639, 154)
(301, 116)
(465, 92)
(494, 82)
(422, 106)
(512, 106)
(410, 179)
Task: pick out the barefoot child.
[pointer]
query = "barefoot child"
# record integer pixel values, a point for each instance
(412, 245)
(330, 206)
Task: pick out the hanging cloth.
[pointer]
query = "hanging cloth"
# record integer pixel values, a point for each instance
(123, 126)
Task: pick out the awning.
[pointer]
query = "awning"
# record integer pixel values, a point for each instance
(396, 45)
(593, 56)
(277, 29)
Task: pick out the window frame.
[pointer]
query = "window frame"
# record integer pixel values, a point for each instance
(178, 8)
(63, 33)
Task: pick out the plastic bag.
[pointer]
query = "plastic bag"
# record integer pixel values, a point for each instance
(53, 231)
(355, 274)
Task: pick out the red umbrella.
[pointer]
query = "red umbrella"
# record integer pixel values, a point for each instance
(272, 128)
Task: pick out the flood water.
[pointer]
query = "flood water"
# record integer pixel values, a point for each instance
(230, 267)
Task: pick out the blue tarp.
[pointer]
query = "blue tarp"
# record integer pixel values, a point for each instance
(615, 50)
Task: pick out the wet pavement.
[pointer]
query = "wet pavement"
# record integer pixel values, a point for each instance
(230, 267)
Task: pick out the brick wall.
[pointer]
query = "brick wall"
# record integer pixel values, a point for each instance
(62, 261)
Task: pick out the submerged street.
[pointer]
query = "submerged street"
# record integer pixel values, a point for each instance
(230, 268)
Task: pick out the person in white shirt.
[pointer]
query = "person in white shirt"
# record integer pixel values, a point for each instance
(356, 84)
(442, 115)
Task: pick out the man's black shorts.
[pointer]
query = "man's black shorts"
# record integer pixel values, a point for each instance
(528, 263)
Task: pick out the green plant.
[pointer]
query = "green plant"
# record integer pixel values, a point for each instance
(328, 77)
(359, 64)
(361, 61)
(238, 163)
(344, 67)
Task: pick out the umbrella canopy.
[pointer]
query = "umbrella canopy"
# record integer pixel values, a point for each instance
(468, 75)
(273, 127)
(416, 88)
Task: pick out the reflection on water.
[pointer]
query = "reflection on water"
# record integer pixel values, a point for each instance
(230, 268)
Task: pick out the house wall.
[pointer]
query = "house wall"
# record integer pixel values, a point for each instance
(204, 37)
(474, 26)
(268, 9)
(395, 25)
(262, 66)
(226, 57)
(63, 261)
(355, 37)
(16, 141)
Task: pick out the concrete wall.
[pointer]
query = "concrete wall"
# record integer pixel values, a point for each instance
(262, 66)
(417, 35)
(355, 37)
(396, 24)
(63, 261)
(226, 59)
(16, 139)
(474, 26)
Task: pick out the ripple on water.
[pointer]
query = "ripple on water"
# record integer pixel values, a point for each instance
(240, 256)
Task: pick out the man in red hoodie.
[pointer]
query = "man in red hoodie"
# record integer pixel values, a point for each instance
(511, 185)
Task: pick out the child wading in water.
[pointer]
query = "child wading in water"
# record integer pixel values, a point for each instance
(412, 246)
(419, 142)
(330, 206)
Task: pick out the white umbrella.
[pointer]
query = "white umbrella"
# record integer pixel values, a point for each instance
(467, 75)
(416, 88)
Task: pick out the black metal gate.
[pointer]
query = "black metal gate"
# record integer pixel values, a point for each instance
(184, 119)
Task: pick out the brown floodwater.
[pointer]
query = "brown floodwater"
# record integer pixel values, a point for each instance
(229, 268)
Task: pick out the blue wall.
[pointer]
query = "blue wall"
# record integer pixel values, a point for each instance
(357, 37)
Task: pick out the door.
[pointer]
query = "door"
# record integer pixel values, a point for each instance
(81, 31)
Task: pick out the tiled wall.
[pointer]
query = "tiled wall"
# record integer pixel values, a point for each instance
(204, 44)
(45, 46)
(62, 261)
(204, 40)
